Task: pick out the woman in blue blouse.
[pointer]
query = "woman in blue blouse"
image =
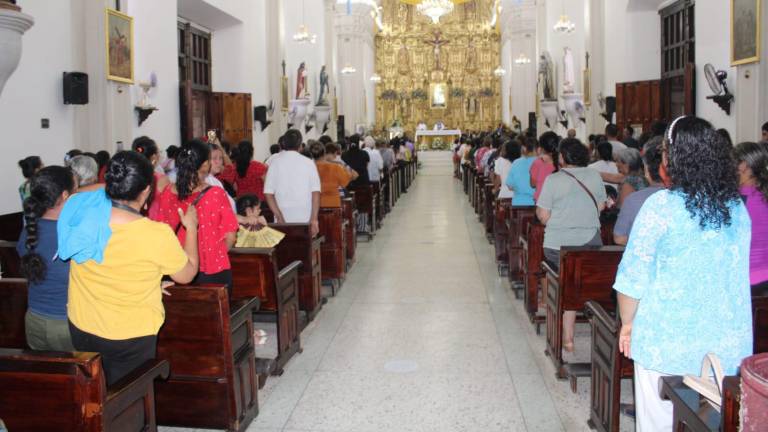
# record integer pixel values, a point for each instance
(683, 281)
(519, 178)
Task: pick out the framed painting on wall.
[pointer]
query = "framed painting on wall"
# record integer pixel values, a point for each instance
(745, 31)
(119, 46)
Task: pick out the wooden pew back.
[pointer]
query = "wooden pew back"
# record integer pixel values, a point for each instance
(13, 307)
(500, 229)
(10, 262)
(760, 323)
(518, 220)
(334, 248)
(350, 216)
(298, 245)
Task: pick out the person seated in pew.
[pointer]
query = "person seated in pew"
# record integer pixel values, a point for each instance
(148, 148)
(519, 177)
(29, 166)
(86, 170)
(375, 163)
(249, 208)
(358, 160)
(510, 152)
(683, 281)
(569, 205)
(45, 322)
(292, 187)
(245, 174)
(118, 258)
(605, 164)
(633, 203)
(102, 158)
(333, 176)
(630, 165)
(217, 231)
(752, 160)
(387, 155)
(545, 163)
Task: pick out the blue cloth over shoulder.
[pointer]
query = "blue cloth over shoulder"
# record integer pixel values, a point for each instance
(83, 227)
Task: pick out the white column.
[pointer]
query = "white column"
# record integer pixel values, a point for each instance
(331, 66)
(275, 45)
(355, 48)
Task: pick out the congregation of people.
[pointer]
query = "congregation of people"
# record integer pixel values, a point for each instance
(691, 210)
(104, 237)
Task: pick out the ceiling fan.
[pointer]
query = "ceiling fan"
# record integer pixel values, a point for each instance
(716, 79)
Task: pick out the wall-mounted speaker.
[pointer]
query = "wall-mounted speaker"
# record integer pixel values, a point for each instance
(75, 88)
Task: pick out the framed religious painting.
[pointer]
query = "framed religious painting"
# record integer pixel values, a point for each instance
(438, 96)
(745, 31)
(119, 46)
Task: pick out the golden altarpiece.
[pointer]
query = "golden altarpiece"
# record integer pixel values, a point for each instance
(438, 72)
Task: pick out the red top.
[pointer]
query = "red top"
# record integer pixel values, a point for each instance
(540, 170)
(252, 183)
(215, 219)
(102, 174)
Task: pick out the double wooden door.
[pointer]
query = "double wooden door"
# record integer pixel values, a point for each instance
(229, 114)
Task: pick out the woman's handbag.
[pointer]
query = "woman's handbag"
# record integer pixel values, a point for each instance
(708, 385)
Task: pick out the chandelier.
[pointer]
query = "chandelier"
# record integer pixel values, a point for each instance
(375, 78)
(500, 72)
(522, 59)
(303, 35)
(435, 9)
(564, 25)
(348, 69)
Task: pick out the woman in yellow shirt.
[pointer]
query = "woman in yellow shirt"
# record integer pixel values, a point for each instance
(115, 306)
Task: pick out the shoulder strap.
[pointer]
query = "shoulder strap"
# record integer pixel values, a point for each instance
(594, 201)
(194, 204)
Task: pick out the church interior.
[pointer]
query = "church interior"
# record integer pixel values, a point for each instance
(384, 215)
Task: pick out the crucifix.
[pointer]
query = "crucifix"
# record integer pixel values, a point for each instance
(437, 43)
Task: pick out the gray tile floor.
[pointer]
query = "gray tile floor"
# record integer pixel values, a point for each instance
(424, 336)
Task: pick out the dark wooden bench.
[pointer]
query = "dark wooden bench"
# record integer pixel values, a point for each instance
(586, 273)
(532, 245)
(501, 233)
(350, 216)
(298, 245)
(517, 222)
(692, 414)
(489, 204)
(208, 343)
(13, 307)
(333, 227)
(378, 206)
(10, 263)
(60, 391)
(760, 323)
(365, 201)
(608, 368)
(11, 225)
(256, 273)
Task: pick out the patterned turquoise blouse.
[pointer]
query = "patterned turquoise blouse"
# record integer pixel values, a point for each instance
(693, 287)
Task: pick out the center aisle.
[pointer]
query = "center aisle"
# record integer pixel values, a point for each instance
(423, 336)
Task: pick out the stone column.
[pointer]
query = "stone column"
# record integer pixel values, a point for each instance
(275, 55)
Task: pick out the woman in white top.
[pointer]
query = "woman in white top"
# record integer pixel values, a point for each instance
(606, 163)
(510, 151)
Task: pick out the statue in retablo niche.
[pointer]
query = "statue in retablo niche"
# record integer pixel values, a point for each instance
(546, 77)
(471, 57)
(324, 88)
(403, 60)
(301, 82)
(569, 74)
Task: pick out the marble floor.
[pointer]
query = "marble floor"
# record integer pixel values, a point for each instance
(424, 336)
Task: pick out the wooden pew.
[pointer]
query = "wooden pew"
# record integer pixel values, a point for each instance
(608, 368)
(365, 201)
(501, 233)
(532, 245)
(350, 216)
(13, 307)
(61, 391)
(489, 202)
(760, 323)
(10, 263)
(208, 342)
(691, 414)
(256, 273)
(11, 225)
(298, 245)
(378, 207)
(333, 228)
(586, 273)
(518, 220)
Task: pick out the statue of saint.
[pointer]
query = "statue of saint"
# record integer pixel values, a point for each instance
(546, 77)
(569, 75)
(403, 60)
(437, 43)
(301, 81)
(471, 57)
(324, 88)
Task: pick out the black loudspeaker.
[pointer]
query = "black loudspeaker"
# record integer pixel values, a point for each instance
(75, 88)
(340, 129)
(260, 115)
(610, 108)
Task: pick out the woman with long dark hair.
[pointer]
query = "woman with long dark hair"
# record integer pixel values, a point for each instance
(683, 281)
(29, 166)
(48, 276)
(218, 224)
(115, 303)
(546, 163)
(752, 160)
(245, 174)
(148, 148)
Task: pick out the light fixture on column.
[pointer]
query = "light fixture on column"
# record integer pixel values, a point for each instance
(564, 25)
(435, 9)
(522, 60)
(375, 78)
(500, 72)
(303, 35)
(348, 69)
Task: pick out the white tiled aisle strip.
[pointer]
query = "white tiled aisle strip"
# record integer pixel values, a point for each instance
(423, 336)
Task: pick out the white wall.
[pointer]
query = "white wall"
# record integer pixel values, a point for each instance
(34, 92)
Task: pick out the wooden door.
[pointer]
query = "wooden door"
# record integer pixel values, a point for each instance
(232, 116)
(639, 103)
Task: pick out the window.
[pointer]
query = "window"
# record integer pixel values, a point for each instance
(194, 46)
(678, 57)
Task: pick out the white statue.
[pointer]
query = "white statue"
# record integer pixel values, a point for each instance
(569, 74)
(546, 77)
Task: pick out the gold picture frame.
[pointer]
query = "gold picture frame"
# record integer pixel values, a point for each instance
(438, 96)
(119, 47)
(745, 31)
(587, 85)
(284, 96)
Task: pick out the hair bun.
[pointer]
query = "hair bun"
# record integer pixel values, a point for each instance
(117, 172)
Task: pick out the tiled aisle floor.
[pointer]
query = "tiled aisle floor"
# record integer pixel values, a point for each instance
(423, 336)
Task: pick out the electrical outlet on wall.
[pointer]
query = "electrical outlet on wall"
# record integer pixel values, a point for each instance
(45, 123)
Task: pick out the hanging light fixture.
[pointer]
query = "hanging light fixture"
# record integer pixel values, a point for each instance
(303, 35)
(435, 9)
(522, 59)
(348, 69)
(500, 72)
(375, 78)
(564, 25)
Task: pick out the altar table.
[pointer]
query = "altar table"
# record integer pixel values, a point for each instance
(427, 141)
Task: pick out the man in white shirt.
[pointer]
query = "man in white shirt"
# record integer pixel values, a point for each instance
(612, 136)
(292, 186)
(376, 163)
